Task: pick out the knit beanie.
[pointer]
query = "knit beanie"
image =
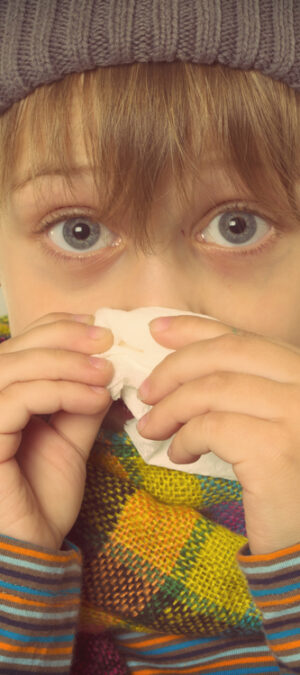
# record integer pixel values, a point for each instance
(43, 40)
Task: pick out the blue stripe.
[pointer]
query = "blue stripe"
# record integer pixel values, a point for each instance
(35, 662)
(197, 641)
(266, 569)
(130, 636)
(244, 670)
(41, 568)
(281, 612)
(276, 591)
(208, 659)
(72, 546)
(283, 633)
(37, 638)
(240, 671)
(40, 615)
(29, 577)
(182, 645)
(32, 591)
(290, 659)
(170, 648)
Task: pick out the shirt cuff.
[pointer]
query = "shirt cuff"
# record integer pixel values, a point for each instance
(39, 606)
(274, 583)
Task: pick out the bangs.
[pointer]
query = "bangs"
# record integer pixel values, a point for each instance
(140, 120)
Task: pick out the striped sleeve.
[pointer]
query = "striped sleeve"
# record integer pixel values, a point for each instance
(274, 581)
(39, 603)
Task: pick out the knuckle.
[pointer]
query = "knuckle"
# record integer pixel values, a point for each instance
(11, 390)
(62, 335)
(236, 344)
(51, 317)
(217, 380)
(212, 423)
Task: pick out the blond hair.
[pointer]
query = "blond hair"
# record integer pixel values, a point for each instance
(143, 118)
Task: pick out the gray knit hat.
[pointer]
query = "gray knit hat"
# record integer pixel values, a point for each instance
(43, 40)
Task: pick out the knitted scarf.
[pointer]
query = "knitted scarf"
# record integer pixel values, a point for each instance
(159, 551)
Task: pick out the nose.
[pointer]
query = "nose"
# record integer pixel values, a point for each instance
(155, 281)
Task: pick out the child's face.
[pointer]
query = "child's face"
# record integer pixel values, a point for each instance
(252, 282)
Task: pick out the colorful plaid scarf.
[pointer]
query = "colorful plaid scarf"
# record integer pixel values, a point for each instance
(160, 547)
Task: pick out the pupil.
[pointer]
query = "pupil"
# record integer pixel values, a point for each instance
(237, 225)
(81, 231)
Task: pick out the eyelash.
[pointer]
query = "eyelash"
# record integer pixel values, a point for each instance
(105, 254)
(50, 221)
(243, 251)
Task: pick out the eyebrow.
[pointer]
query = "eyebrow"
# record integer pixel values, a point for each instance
(46, 172)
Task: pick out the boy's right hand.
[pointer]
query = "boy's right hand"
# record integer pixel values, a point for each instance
(47, 371)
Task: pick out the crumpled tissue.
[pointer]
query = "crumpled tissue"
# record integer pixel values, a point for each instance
(134, 354)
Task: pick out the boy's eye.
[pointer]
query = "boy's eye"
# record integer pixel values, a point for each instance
(235, 228)
(81, 234)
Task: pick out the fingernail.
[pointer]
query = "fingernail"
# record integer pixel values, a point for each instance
(142, 422)
(160, 324)
(98, 390)
(97, 362)
(143, 389)
(84, 318)
(96, 332)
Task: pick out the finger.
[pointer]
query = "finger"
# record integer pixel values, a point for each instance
(53, 460)
(53, 317)
(251, 354)
(79, 430)
(71, 335)
(177, 331)
(53, 364)
(22, 400)
(238, 439)
(227, 392)
(181, 330)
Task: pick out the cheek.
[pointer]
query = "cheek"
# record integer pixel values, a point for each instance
(23, 294)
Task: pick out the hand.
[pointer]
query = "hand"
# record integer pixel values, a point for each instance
(237, 394)
(47, 371)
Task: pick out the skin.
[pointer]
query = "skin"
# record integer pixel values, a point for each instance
(236, 393)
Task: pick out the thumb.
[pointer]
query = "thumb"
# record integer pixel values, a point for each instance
(79, 430)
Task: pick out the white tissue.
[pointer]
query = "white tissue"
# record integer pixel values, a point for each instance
(134, 354)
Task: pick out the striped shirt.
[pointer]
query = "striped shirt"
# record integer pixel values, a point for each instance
(40, 595)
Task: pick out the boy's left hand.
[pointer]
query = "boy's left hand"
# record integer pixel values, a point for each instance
(237, 394)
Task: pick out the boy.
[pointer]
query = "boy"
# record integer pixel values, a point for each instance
(136, 170)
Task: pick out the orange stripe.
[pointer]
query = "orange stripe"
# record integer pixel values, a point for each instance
(286, 645)
(35, 603)
(35, 650)
(151, 641)
(269, 556)
(36, 554)
(198, 669)
(286, 601)
(249, 659)
(167, 671)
